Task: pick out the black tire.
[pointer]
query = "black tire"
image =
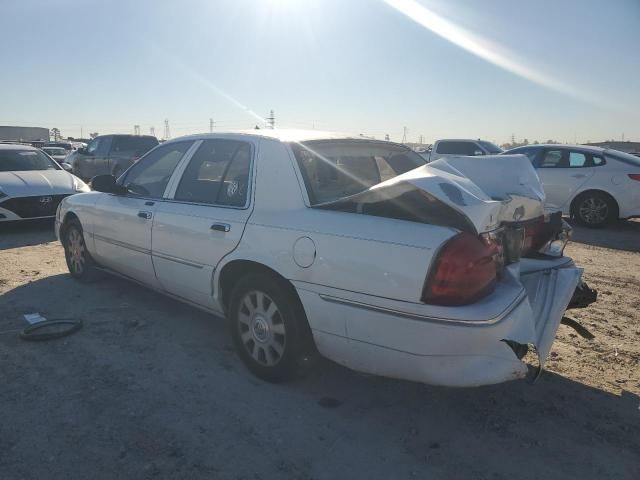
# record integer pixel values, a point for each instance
(595, 209)
(272, 346)
(79, 262)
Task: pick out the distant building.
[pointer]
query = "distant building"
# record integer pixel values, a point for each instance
(24, 134)
(629, 147)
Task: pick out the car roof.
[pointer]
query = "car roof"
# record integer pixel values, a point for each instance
(563, 146)
(282, 134)
(462, 140)
(16, 146)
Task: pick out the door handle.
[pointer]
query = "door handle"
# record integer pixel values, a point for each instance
(143, 214)
(221, 227)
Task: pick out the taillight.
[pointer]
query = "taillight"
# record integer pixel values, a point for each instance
(466, 270)
(634, 176)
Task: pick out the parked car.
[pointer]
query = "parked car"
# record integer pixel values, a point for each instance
(457, 147)
(68, 146)
(356, 247)
(591, 184)
(110, 154)
(59, 154)
(32, 184)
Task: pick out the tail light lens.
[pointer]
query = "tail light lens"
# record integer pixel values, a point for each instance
(634, 176)
(466, 270)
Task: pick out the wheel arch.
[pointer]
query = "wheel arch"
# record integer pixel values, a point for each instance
(68, 217)
(588, 191)
(232, 271)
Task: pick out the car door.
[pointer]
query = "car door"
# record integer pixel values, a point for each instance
(122, 223)
(562, 172)
(205, 218)
(94, 162)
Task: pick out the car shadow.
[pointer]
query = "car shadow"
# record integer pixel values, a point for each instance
(151, 381)
(24, 233)
(622, 235)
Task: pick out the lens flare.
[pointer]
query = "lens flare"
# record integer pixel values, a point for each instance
(487, 50)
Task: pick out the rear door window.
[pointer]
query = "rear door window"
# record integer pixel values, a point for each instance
(135, 146)
(577, 160)
(218, 174)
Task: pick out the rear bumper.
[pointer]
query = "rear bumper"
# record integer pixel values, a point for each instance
(443, 351)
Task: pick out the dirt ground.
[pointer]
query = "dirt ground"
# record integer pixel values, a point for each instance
(151, 388)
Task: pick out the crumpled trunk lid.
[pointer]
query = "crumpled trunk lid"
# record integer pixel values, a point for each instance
(468, 193)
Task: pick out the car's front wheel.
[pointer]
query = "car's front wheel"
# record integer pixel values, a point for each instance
(79, 261)
(267, 324)
(595, 209)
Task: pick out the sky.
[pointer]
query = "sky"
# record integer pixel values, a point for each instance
(546, 69)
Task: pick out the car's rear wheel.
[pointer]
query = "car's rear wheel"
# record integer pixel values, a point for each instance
(268, 327)
(595, 209)
(81, 265)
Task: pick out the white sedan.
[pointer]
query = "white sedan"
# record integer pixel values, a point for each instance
(594, 185)
(353, 247)
(32, 184)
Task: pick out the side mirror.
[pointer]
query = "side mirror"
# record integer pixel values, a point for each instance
(107, 184)
(83, 151)
(66, 166)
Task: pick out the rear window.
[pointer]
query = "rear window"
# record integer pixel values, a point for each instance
(456, 148)
(334, 169)
(134, 145)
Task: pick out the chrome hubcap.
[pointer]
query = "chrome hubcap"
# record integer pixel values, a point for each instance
(261, 327)
(594, 210)
(75, 251)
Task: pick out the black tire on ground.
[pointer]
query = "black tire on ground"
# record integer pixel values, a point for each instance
(81, 265)
(269, 327)
(595, 209)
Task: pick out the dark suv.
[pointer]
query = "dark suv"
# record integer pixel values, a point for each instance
(110, 154)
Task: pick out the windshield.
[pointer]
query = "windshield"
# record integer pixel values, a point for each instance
(334, 169)
(25, 160)
(490, 147)
(55, 151)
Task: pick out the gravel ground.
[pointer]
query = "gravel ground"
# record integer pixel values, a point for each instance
(151, 388)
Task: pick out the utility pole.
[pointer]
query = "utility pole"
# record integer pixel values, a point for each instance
(513, 139)
(421, 138)
(167, 132)
(386, 137)
(152, 131)
(136, 130)
(211, 125)
(81, 132)
(404, 134)
(271, 120)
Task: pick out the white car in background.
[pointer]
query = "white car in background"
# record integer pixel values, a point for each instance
(59, 154)
(441, 273)
(32, 184)
(596, 186)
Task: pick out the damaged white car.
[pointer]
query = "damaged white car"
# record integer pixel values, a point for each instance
(443, 273)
